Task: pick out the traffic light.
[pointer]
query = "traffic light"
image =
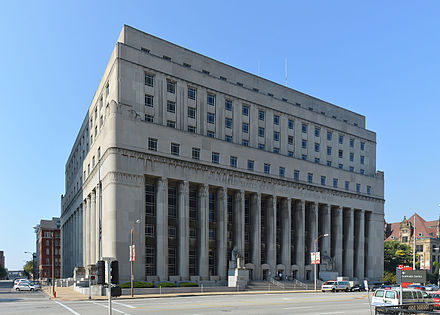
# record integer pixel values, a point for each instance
(92, 278)
(101, 271)
(114, 272)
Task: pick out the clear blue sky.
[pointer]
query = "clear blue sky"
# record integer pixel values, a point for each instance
(378, 58)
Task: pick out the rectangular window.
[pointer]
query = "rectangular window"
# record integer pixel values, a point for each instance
(175, 148)
(341, 154)
(196, 153)
(304, 128)
(245, 142)
(192, 233)
(261, 146)
(192, 112)
(172, 231)
(290, 140)
(282, 171)
(260, 131)
(107, 89)
(329, 150)
(276, 119)
(290, 153)
(233, 161)
(341, 166)
(362, 159)
(323, 180)
(245, 127)
(245, 110)
(148, 100)
(296, 174)
(362, 146)
(276, 150)
(368, 190)
(329, 163)
(347, 185)
(358, 188)
(215, 157)
(211, 118)
(228, 105)
(341, 139)
(304, 144)
(150, 199)
(192, 93)
(210, 99)
(351, 156)
(329, 136)
(276, 136)
(351, 142)
(304, 156)
(152, 144)
(228, 123)
(351, 169)
(362, 171)
(210, 134)
(149, 79)
(317, 160)
(171, 124)
(250, 165)
(266, 168)
(149, 118)
(171, 107)
(192, 129)
(309, 177)
(171, 86)
(317, 131)
(316, 147)
(335, 183)
(290, 124)
(228, 138)
(261, 115)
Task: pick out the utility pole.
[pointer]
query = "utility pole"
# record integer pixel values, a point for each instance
(53, 264)
(414, 244)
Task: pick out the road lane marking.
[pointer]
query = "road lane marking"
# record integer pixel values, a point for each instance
(67, 308)
(106, 306)
(297, 307)
(331, 313)
(126, 305)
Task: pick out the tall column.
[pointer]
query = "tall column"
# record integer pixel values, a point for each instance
(81, 232)
(375, 245)
(300, 211)
(93, 236)
(271, 251)
(326, 219)
(88, 232)
(255, 235)
(221, 233)
(183, 238)
(337, 235)
(286, 240)
(203, 232)
(349, 229)
(238, 224)
(162, 229)
(76, 238)
(360, 239)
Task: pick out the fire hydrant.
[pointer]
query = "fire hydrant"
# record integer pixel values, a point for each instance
(54, 294)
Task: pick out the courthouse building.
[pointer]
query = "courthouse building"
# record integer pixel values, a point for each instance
(210, 159)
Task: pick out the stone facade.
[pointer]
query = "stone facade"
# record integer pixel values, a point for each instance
(210, 159)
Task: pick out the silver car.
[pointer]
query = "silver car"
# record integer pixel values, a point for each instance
(24, 286)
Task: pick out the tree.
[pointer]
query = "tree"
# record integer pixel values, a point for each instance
(28, 268)
(395, 254)
(388, 277)
(3, 273)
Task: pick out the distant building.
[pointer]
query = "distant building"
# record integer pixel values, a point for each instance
(2, 259)
(427, 234)
(15, 274)
(48, 244)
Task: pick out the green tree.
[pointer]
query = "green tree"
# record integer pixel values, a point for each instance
(388, 277)
(3, 273)
(28, 268)
(396, 254)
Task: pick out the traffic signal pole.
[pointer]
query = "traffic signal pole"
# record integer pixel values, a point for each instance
(109, 282)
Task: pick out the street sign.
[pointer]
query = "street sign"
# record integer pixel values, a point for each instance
(315, 258)
(412, 276)
(400, 267)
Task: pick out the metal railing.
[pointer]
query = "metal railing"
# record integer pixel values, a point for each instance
(277, 283)
(420, 308)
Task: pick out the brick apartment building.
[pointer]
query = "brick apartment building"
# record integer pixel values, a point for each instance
(48, 248)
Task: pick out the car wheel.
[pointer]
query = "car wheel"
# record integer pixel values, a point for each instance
(323, 290)
(347, 290)
(333, 290)
(32, 289)
(17, 289)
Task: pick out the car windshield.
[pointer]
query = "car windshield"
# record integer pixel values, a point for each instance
(329, 282)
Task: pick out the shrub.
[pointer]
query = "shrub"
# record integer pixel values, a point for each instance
(137, 284)
(166, 285)
(189, 284)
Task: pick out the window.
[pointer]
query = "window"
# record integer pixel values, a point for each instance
(245, 127)
(323, 180)
(228, 123)
(276, 119)
(261, 115)
(362, 171)
(250, 165)
(316, 147)
(317, 160)
(351, 142)
(148, 100)
(347, 185)
(317, 131)
(192, 129)
(404, 239)
(341, 139)
(228, 138)
(171, 124)
(290, 153)
(358, 188)
(245, 142)
(304, 128)
(149, 230)
(276, 150)
(192, 233)
(211, 99)
(215, 157)
(329, 163)
(192, 93)
(290, 140)
(296, 174)
(368, 190)
(233, 161)
(329, 150)
(107, 89)
(171, 86)
(309, 177)
(260, 131)
(362, 159)
(228, 105)
(266, 168)
(191, 112)
(196, 153)
(341, 154)
(245, 110)
(304, 144)
(211, 118)
(276, 136)
(171, 107)
(149, 80)
(149, 118)
(351, 169)
(362, 146)
(152, 144)
(351, 156)
(210, 134)
(175, 148)
(290, 124)
(96, 131)
(419, 248)
(304, 157)
(261, 146)
(335, 183)
(329, 136)
(282, 171)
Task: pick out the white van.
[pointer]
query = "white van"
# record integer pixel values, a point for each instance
(335, 286)
(383, 297)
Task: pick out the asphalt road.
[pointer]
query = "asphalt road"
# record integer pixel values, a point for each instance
(287, 303)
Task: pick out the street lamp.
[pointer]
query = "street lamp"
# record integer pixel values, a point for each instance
(314, 265)
(132, 256)
(33, 264)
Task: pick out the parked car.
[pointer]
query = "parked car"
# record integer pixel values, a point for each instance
(17, 281)
(436, 298)
(416, 287)
(431, 287)
(384, 297)
(357, 287)
(24, 286)
(335, 286)
(382, 286)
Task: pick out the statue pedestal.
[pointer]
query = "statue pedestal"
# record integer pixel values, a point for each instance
(238, 278)
(328, 275)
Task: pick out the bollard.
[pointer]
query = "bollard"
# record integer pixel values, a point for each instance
(160, 290)
(201, 288)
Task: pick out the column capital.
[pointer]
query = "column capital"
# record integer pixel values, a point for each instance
(203, 190)
(183, 187)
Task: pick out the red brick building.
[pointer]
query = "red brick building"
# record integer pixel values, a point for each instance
(2, 259)
(48, 248)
